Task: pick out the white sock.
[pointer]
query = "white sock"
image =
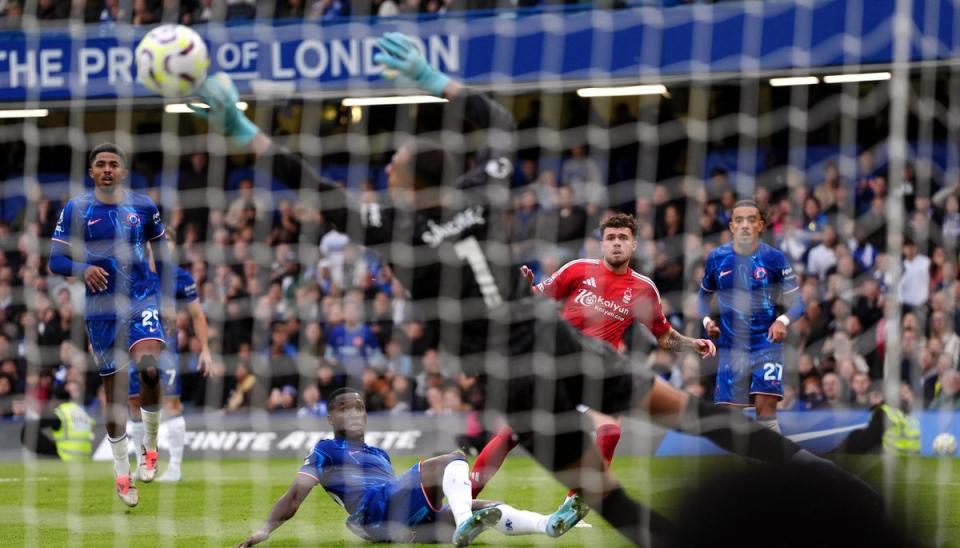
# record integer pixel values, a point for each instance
(520, 522)
(121, 458)
(135, 432)
(458, 490)
(151, 425)
(176, 434)
(770, 424)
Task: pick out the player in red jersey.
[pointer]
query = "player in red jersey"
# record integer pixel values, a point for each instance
(602, 299)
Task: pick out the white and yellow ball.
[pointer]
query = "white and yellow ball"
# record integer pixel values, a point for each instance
(945, 444)
(172, 60)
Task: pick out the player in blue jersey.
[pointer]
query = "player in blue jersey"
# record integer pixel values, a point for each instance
(185, 293)
(384, 507)
(750, 279)
(104, 238)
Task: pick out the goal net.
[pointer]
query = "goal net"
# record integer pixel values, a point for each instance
(838, 118)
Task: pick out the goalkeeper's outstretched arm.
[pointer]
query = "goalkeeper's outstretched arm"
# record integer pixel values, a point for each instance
(338, 207)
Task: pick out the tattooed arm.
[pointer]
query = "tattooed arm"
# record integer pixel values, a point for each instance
(675, 342)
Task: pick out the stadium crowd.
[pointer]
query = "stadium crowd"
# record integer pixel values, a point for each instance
(190, 12)
(296, 310)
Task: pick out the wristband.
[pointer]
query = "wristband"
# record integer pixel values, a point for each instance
(706, 322)
(782, 318)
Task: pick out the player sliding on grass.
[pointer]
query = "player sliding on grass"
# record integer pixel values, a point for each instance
(444, 237)
(601, 298)
(384, 507)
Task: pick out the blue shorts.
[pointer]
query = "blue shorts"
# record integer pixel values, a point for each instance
(170, 383)
(388, 512)
(741, 375)
(126, 332)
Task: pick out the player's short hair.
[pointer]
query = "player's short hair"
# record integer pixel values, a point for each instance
(429, 162)
(749, 203)
(341, 391)
(107, 147)
(620, 220)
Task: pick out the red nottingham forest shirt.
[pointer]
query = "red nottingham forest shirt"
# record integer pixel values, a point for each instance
(602, 304)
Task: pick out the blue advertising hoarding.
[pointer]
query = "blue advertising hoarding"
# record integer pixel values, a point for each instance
(642, 44)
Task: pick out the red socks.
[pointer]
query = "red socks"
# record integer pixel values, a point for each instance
(491, 459)
(608, 436)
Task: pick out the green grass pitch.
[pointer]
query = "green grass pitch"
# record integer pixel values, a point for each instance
(46, 503)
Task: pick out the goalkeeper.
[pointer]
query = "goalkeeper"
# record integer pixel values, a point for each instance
(444, 235)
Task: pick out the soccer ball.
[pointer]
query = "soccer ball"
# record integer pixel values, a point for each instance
(172, 60)
(945, 444)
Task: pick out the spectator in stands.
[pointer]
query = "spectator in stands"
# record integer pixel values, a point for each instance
(146, 12)
(523, 227)
(914, 288)
(333, 245)
(582, 173)
(727, 199)
(831, 193)
(431, 373)
(328, 9)
(419, 338)
(282, 398)
(942, 330)
(951, 222)
(565, 225)
(823, 256)
(546, 188)
(453, 400)
(861, 249)
(812, 395)
(833, 392)
(930, 381)
(352, 344)
(860, 391)
(247, 207)
(942, 271)
(402, 391)
(6, 396)
(384, 8)
(709, 224)
(52, 10)
(717, 184)
(289, 9)
(381, 318)
(812, 222)
(247, 392)
(313, 344)
(240, 10)
(312, 406)
(948, 397)
(434, 398)
(12, 11)
(397, 361)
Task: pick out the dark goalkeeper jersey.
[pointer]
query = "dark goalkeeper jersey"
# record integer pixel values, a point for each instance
(454, 259)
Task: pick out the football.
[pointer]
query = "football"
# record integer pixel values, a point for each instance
(172, 60)
(945, 444)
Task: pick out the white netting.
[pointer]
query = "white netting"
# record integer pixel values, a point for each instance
(844, 174)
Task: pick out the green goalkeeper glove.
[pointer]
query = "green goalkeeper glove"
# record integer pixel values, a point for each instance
(219, 93)
(403, 61)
